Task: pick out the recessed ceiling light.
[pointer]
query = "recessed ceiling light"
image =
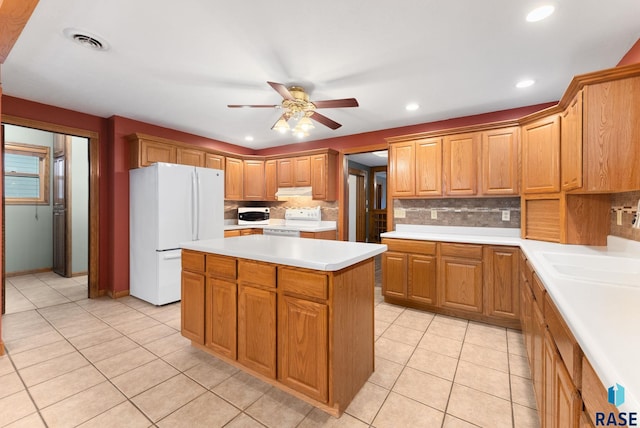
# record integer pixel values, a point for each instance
(540, 13)
(525, 83)
(412, 106)
(86, 39)
(381, 153)
(248, 138)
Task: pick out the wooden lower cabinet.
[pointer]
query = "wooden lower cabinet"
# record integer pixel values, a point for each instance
(302, 346)
(502, 276)
(327, 234)
(257, 329)
(394, 274)
(308, 332)
(460, 284)
(422, 278)
(221, 317)
(567, 404)
(192, 313)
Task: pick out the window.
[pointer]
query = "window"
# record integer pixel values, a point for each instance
(26, 174)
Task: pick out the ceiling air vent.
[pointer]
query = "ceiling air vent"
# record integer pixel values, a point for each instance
(86, 39)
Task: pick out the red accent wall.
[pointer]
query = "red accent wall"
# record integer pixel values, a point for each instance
(378, 137)
(631, 57)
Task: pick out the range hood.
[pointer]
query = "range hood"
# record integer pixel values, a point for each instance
(292, 192)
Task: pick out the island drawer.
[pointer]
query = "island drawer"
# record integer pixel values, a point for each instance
(410, 246)
(193, 261)
(221, 267)
(467, 251)
(304, 283)
(257, 273)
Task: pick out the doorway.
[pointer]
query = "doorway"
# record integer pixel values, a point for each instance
(46, 218)
(370, 210)
(91, 143)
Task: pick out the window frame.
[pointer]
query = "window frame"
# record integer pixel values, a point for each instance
(44, 155)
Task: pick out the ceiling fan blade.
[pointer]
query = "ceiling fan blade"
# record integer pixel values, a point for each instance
(252, 106)
(346, 102)
(325, 120)
(282, 90)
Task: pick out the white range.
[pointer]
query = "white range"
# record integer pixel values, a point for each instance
(298, 220)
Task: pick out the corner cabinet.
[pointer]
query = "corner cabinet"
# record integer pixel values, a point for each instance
(473, 281)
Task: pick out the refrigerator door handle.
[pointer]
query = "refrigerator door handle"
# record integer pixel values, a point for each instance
(198, 196)
(172, 257)
(194, 208)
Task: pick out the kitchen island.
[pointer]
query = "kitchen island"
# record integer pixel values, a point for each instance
(294, 312)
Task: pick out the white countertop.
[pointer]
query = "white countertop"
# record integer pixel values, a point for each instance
(603, 317)
(317, 254)
(279, 224)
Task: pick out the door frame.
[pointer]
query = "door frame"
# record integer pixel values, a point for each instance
(343, 184)
(94, 189)
(361, 204)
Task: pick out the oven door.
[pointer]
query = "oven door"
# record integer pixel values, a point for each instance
(253, 217)
(281, 232)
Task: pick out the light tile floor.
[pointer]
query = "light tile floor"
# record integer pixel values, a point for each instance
(72, 361)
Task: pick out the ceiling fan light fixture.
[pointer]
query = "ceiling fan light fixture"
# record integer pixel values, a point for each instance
(305, 124)
(281, 126)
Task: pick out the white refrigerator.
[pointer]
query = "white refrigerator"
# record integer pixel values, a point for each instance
(169, 204)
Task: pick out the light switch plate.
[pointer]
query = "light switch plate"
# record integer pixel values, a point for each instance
(619, 217)
(434, 214)
(399, 213)
(506, 215)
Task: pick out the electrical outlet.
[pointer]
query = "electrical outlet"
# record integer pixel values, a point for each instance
(434, 214)
(619, 217)
(506, 215)
(399, 213)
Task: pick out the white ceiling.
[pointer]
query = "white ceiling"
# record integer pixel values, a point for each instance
(178, 64)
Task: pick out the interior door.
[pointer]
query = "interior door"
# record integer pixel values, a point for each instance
(61, 241)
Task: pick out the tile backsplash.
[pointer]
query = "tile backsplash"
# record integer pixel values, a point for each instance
(628, 201)
(476, 212)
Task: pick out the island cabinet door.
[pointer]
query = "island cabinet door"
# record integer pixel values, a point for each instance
(302, 346)
(193, 288)
(257, 329)
(221, 317)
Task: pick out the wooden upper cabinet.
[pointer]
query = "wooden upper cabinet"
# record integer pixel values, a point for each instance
(611, 135)
(253, 173)
(302, 171)
(541, 155)
(571, 145)
(428, 167)
(214, 161)
(144, 152)
(294, 172)
(190, 157)
(402, 169)
(323, 176)
(461, 164)
(285, 172)
(271, 179)
(500, 153)
(233, 179)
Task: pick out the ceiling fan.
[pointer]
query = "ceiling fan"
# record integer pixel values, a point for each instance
(296, 106)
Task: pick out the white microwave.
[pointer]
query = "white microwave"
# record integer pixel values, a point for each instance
(253, 215)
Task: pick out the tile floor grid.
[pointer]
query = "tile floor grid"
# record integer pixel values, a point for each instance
(431, 370)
